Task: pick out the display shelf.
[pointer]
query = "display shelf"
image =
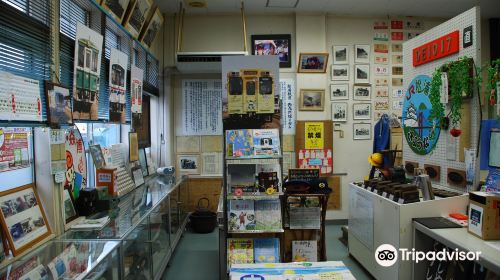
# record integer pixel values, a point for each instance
(10, 259)
(255, 231)
(453, 238)
(69, 260)
(255, 196)
(267, 160)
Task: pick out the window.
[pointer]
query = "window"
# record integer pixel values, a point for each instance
(70, 15)
(111, 41)
(39, 10)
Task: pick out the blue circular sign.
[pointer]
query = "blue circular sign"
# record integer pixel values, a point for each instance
(420, 129)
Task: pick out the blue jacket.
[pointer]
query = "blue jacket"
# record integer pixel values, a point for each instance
(382, 136)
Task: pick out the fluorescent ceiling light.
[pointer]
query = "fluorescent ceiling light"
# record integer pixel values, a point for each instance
(282, 3)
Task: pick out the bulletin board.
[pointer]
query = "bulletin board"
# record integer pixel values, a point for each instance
(448, 152)
(315, 138)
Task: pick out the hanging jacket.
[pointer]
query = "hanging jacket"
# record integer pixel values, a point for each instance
(382, 136)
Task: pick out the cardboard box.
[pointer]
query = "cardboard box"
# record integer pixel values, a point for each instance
(484, 215)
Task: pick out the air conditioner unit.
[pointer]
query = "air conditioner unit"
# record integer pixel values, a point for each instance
(202, 62)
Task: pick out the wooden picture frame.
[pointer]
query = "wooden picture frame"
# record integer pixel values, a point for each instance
(23, 230)
(133, 147)
(281, 43)
(70, 213)
(151, 29)
(309, 99)
(116, 9)
(135, 20)
(312, 63)
(58, 105)
(189, 164)
(97, 156)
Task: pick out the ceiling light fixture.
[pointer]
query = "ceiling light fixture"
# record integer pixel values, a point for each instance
(282, 3)
(196, 3)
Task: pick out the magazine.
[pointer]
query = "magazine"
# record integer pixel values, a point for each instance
(239, 143)
(268, 215)
(240, 250)
(266, 250)
(266, 142)
(304, 251)
(241, 215)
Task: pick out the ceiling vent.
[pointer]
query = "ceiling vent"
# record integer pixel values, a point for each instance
(202, 62)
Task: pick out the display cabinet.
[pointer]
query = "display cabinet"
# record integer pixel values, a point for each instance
(148, 223)
(58, 259)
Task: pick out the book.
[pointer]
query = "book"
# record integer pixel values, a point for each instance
(266, 250)
(304, 251)
(266, 142)
(241, 215)
(239, 143)
(240, 250)
(268, 215)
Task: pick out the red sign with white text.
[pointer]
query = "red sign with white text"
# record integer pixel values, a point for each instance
(436, 49)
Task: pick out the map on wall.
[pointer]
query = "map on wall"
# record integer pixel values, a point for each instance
(420, 129)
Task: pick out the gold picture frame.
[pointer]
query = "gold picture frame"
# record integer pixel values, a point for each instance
(312, 100)
(312, 63)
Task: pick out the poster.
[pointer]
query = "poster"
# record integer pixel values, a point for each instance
(76, 163)
(59, 105)
(136, 77)
(201, 107)
(118, 63)
(19, 98)
(421, 131)
(14, 148)
(87, 73)
(288, 100)
(314, 135)
(316, 158)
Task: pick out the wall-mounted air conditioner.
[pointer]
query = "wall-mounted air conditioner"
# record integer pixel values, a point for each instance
(202, 62)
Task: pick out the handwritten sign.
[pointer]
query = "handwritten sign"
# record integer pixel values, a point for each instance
(436, 49)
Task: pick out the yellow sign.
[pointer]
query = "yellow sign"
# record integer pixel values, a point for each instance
(314, 135)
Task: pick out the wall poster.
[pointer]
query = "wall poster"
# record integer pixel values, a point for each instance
(14, 148)
(19, 98)
(421, 131)
(314, 135)
(117, 86)
(136, 78)
(288, 99)
(76, 163)
(321, 159)
(201, 107)
(87, 72)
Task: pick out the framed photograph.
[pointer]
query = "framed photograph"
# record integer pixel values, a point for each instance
(340, 72)
(312, 100)
(312, 62)
(143, 162)
(69, 207)
(116, 8)
(151, 29)
(362, 92)
(340, 54)
(188, 164)
(362, 73)
(133, 147)
(362, 131)
(339, 111)
(362, 111)
(362, 53)
(136, 19)
(58, 105)
(97, 156)
(22, 217)
(339, 92)
(279, 44)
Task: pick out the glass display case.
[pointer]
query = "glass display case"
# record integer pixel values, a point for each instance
(148, 221)
(56, 259)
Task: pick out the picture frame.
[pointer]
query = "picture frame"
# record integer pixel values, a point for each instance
(143, 162)
(312, 100)
(362, 73)
(340, 54)
(23, 233)
(362, 92)
(59, 110)
(362, 111)
(189, 164)
(362, 131)
(312, 62)
(70, 213)
(339, 72)
(133, 147)
(339, 92)
(116, 8)
(151, 29)
(339, 112)
(136, 19)
(97, 156)
(274, 44)
(362, 53)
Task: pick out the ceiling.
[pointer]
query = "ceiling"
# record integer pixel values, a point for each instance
(418, 8)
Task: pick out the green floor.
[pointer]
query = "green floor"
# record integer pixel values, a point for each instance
(197, 256)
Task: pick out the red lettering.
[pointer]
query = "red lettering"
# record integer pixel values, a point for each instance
(436, 49)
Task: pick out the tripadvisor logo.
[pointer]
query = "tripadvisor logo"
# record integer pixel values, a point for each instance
(387, 255)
